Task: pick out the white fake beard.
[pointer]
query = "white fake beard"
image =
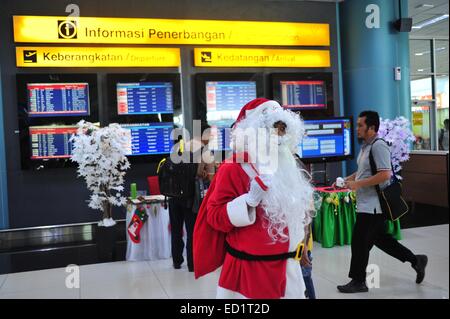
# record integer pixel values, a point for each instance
(294, 132)
(288, 199)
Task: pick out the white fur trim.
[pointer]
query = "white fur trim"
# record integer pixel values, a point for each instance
(264, 116)
(223, 293)
(295, 285)
(262, 107)
(239, 213)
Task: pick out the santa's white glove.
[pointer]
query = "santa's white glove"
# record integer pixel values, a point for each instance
(258, 187)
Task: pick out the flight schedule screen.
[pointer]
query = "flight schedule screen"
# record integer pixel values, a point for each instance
(229, 95)
(303, 94)
(220, 138)
(144, 98)
(148, 138)
(58, 99)
(224, 100)
(50, 142)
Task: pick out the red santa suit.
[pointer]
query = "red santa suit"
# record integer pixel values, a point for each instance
(226, 219)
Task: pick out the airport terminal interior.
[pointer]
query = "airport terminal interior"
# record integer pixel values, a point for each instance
(99, 98)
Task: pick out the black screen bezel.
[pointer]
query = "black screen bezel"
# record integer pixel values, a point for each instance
(327, 77)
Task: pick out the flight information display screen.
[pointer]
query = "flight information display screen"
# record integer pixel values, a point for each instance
(224, 100)
(303, 94)
(149, 138)
(144, 98)
(229, 95)
(58, 99)
(51, 142)
(327, 138)
(219, 138)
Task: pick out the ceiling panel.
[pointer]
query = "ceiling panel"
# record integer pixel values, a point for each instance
(420, 57)
(421, 13)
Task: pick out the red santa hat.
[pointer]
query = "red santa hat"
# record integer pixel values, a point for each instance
(255, 107)
(263, 113)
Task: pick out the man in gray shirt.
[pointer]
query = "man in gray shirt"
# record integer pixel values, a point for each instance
(369, 229)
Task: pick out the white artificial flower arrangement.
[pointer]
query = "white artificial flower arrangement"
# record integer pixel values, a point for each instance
(398, 134)
(100, 154)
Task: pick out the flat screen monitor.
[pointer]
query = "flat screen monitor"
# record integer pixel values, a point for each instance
(328, 139)
(311, 94)
(141, 98)
(224, 100)
(149, 138)
(219, 139)
(58, 99)
(303, 95)
(51, 142)
(48, 106)
(223, 96)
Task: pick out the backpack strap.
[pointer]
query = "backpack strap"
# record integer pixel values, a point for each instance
(373, 166)
(160, 164)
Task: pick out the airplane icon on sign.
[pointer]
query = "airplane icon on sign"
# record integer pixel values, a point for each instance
(29, 56)
(206, 56)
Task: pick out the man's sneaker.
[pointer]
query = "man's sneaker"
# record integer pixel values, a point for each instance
(353, 287)
(420, 266)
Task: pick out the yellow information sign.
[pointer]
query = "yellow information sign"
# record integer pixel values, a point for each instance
(49, 29)
(96, 57)
(218, 57)
(417, 118)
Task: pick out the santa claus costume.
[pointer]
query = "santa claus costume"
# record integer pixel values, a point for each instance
(250, 223)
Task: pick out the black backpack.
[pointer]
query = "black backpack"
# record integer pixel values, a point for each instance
(177, 180)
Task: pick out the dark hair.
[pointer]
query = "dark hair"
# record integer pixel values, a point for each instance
(372, 119)
(446, 121)
(205, 126)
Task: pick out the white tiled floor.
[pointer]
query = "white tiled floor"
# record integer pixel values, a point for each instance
(157, 279)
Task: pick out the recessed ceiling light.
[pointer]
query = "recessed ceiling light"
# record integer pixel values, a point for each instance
(430, 21)
(422, 53)
(420, 70)
(428, 52)
(424, 5)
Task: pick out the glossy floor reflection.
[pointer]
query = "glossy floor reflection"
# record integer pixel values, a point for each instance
(157, 279)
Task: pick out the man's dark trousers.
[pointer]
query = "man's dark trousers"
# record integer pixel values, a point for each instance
(370, 230)
(180, 212)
